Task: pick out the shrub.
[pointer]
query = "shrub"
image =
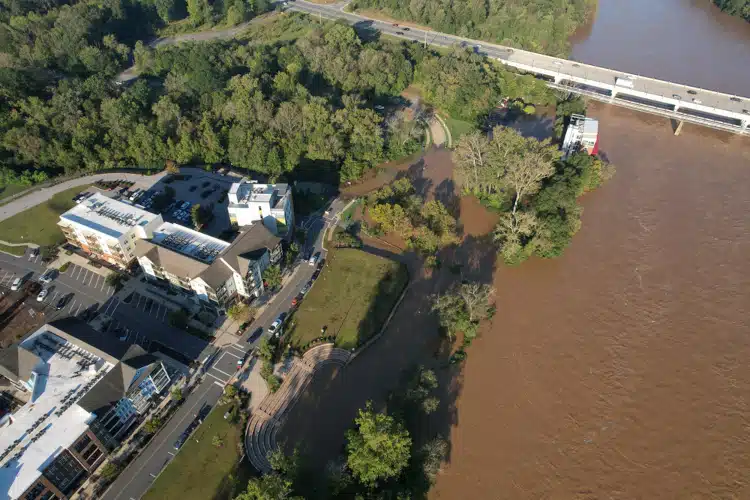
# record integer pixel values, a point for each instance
(64, 267)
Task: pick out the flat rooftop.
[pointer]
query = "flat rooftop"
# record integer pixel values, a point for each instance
(260, 193)
(51, 421)
(108, 216)
(189, 242)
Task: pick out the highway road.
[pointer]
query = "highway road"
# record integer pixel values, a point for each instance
(685, 94)
(138, 477)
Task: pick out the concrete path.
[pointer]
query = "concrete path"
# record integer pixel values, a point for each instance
(36, 197)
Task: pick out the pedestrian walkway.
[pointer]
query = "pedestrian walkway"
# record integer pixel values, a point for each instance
(260, 435)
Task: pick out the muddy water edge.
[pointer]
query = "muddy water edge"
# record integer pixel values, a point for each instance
(619, 370)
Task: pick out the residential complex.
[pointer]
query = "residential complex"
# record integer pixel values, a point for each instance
(218, 272)
(271, 204)
(107, 229)
(85, 389)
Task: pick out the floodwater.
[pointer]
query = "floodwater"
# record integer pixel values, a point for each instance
(684, 41)
(620, 370)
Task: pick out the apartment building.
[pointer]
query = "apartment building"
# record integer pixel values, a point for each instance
(108, 229)
(85, 390)
(271, 204)
(216, 271)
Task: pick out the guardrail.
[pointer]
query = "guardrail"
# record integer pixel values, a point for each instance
(676, 115)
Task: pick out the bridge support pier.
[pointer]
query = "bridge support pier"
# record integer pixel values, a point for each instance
(679, 128)
(745, 124)
(558, 79)
(612, 97)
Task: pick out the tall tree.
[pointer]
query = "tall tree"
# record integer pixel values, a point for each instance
(378, 449)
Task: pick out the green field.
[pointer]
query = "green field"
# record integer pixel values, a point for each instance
(12, 250)
(201, 470)
(39, 224)
(458, 128)
(352, 298)
(11, 189)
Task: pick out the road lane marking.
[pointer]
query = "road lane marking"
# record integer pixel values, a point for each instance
(238, 347)
(222, 371)
(217, 378)
(219, 384)
(171, 453)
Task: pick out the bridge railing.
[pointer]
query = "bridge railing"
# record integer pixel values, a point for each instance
(652, 109)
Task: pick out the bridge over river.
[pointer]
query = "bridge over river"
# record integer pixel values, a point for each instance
(679, 102)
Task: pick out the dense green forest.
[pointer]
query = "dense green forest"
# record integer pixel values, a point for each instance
(735, 7)
(301, 106)
(537, 25)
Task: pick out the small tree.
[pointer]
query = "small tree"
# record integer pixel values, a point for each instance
(265, 349)
(241, 312)
(177, 394)
(153, 425)
(115, 280)
(216, 441)
(110, 471)
(272, 277)
(268, 487)
(378, 449)
(171, 167)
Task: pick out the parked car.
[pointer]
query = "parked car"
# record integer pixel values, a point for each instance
(241, 361)
(42, 295)
(275, 329)
(296, 300)
(34, 252)
(48, 276)
(63, 300)
(314, 259)
(315, 275)
(305, 288)
(692, 92)
(17, 283)
(180, 441)
(256, 335)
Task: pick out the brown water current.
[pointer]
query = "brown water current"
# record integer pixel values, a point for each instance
(620, 370)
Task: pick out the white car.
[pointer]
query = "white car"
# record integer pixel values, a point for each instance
(313, 259)
(16, 284)
(274, 328)
(47, 277)
(42, 295)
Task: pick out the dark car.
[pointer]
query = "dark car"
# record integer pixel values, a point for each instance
(692, 92)
(63, 300)
(255, 336)
(34, 252)
(406, 29)
(399, 32)
(180, 441)
(316, 274)
(735, 99)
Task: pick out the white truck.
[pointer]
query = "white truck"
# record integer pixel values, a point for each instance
(624, 82)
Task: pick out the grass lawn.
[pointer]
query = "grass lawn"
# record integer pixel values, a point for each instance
(12, 250)
(459, 128)
(201, 470)
(39, 224)
(11, 189)
(352, 297)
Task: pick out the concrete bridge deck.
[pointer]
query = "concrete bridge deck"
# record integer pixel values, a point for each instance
(678, 101)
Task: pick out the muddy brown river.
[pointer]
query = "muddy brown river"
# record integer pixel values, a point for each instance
(619, 370)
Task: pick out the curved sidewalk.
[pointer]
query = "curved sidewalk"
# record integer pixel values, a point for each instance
(260, 435)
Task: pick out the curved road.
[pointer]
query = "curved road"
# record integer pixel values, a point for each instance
(36, 197)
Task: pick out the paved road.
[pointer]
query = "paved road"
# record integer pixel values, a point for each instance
(35, 198)
(709, 99)
(84, 288)
(138, 477)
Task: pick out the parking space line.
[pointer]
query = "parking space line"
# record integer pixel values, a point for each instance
(97, 281)
(110, 290)
(53, 297)
(37, 258)
(80, 271)
(239, 348)
(85, 275)
(232, 354)
(219, 384)
(104, 282)
(79, 309)
(72, 306)
(91, 278)
(73, 272)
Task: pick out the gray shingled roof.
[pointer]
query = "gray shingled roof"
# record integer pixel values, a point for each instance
(173, 262)
(17, 364)
(246, 247)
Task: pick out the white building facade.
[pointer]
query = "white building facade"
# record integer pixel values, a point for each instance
(108, 229)
(271, 204)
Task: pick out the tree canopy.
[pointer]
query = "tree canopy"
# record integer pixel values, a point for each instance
(538, 25)
(739, 8)
(379, 448)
